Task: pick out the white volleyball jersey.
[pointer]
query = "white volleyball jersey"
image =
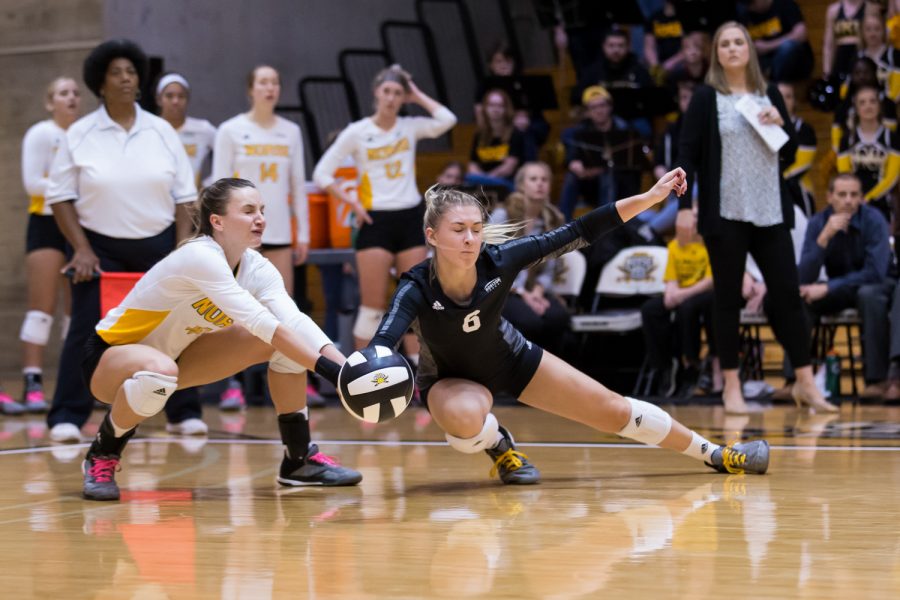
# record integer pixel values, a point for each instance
(39, 146)
(385, 160)
(273, 160)
(198, 137)
(193, 291)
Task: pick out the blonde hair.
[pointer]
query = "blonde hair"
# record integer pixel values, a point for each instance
(715, 76)
(439, 199)
(51, 88)
(519, 179)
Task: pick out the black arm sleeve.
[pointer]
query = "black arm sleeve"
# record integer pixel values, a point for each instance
(581, 232)
(403, 310)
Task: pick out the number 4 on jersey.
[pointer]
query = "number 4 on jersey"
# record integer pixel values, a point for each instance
(471, 322)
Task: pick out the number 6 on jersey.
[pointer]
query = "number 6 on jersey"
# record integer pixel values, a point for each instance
(471, 322)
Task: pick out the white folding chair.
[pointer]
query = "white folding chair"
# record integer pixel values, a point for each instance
(572, 278)
(634, 271)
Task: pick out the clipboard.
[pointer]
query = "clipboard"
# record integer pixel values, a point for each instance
(773, 135)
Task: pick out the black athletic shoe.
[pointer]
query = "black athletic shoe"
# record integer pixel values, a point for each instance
(316, 469)
(34, 400)
(100, 477)
(511, 465)
(742, 457)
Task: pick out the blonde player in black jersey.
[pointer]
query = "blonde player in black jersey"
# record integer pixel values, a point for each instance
(209, 309)
(469, 352)
(45, 246)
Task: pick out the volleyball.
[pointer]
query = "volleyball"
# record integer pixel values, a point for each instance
(375, 384)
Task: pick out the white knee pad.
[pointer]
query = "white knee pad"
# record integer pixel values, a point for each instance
(367, 321)
(309, 332)
(482, 441)
(36, 327)
(148, 392)
(648, 424)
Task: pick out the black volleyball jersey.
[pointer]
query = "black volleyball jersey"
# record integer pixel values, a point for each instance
(474, 340)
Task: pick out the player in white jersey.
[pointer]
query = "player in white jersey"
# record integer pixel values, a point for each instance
(388, 205)
(173, 93)
(209, 309)
(267, 149)
(44, 243)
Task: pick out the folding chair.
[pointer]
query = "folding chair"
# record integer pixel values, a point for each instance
(634, 273)
(572, 278)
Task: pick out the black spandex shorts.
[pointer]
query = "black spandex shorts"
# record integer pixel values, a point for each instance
(510, 379)
(43, 233)
(393, 230)
(94, 348)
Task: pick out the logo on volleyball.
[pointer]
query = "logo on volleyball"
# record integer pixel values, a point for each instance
(379, 378)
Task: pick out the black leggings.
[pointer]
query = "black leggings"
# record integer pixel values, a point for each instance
(773, 251)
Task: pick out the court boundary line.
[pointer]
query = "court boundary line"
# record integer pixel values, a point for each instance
(401, 443)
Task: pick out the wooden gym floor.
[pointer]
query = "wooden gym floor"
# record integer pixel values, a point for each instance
(203, 518)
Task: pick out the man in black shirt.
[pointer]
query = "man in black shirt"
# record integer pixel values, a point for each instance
(779, 34)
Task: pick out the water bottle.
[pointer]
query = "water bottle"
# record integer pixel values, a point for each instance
(832, 374)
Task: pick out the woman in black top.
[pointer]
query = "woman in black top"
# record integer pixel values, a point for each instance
(469, 352)
(743, 206)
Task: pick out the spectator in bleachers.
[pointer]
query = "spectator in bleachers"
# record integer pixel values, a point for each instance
(871, 151)
(504, 74)
(532, 307)
(498, 147)
(662, 223)
(797, 175)
(864, 73)
(587, 144)
(120, 186)
(453, 173)
(388, 206)
(850, 240)
(663, 34)
(672, 322)
(886, 58)
(843, 29)
(173, 94)
(616, 68)
(45, 246)
(780, 36)
(743, 207)
(693, 67)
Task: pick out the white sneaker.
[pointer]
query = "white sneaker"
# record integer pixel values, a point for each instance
(65, 433)
(188, 427)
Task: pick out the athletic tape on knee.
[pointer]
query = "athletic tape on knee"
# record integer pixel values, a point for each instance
(36, 327)
(648, 424)
(309, 332)
(482, 441)
(367, 321)
(147, 392)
